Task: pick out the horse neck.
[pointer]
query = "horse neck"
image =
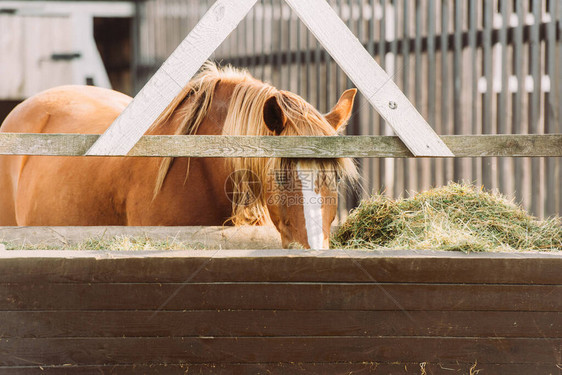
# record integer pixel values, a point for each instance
(213, 121)
(204, 187)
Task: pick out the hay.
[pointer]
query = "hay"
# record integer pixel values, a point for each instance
(116, 243)
(455, 217)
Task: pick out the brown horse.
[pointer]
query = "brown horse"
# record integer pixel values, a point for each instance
(298, 196)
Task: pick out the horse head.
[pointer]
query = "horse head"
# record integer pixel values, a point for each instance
(302, 195)
(299, 196)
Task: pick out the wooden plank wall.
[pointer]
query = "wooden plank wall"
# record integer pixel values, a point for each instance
(276, 312)
(498, 75)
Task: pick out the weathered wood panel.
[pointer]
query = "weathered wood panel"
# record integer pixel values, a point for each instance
(280, 296)
(27, 46)
(100, 351)
(364, 367)
(278, 311)
(290, 147)
(273, 266)
(265, 323)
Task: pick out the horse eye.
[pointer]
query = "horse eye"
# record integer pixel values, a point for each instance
(338, 177)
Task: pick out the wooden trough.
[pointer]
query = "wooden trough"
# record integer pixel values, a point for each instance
(279, 312)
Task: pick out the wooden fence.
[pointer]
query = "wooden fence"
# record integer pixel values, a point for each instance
(279, 311)
(469, 66)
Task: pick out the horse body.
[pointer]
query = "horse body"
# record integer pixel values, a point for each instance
(49, 190)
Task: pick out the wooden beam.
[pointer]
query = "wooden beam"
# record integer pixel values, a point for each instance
(99, 351)
(377, 86)
(288, 147)
(219, 21)
(47, 324)
(206, 237)
(278, 296)
(404, 367)
(273, 265)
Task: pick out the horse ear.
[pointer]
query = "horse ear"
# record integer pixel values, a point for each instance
(273, 115)
(340, 114)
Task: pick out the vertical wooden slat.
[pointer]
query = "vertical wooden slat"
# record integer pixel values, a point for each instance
(550, 110)
(503, 174)
(473, 24)
(534, 110)
(373, 176)
(233, 39)
(441, 173)
(308, 58)
(354, 126)
(317, 82)
(264, 38)
(418, 67)
(349, 25)
(271, 41)
(382, 57)
(362, 106)
(518, 94)
(487, 97)
(406, 77)
(279, 44)
(248, 40)
(299, 61)
(284, 81)
(344, 202)
(151, 10)
(395, 178)
(173, 26)
(458, 173)
(135, 47)
(328, 76)
(339, 5)
(289, 69)
(431, 74)
(558, 87)
(254, 37)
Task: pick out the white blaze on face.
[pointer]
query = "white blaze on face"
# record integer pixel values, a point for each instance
(312, 206)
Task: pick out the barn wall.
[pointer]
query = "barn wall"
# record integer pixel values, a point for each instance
(51, 43)
(26, 45)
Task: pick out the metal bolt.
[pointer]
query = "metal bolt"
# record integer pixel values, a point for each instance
(392, 105)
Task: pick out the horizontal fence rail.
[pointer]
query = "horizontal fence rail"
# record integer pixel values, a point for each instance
(286, 147)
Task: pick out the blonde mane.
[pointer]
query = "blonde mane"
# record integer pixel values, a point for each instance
(245, 117)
